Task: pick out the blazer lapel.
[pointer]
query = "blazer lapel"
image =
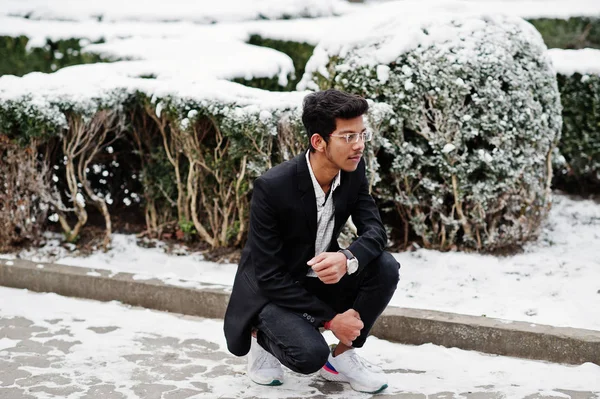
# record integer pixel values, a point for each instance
(307, 195)
(339, 201)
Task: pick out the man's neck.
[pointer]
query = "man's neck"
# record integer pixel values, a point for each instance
(323, 170)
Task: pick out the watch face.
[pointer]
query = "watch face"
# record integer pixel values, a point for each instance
(352, 265)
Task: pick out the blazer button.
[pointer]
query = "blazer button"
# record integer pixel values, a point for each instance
(304, 315)
(312, 319)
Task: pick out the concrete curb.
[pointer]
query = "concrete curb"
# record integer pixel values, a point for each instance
(408, 326)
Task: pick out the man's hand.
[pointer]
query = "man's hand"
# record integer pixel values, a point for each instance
(329, 266)
(346, 326)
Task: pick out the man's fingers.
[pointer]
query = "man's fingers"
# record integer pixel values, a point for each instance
(320, 265)
(317, 259)
(314, 260)
(329, 277)
(327, 272)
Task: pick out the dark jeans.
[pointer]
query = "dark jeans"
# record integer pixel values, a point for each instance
(300, 346)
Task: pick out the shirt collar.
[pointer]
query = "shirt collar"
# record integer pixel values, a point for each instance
(318, 190)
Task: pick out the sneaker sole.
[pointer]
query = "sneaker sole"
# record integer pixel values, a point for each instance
(337, 377)
(273, 383)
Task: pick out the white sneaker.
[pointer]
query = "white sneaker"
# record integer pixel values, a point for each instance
(350, 367)
(263, 368)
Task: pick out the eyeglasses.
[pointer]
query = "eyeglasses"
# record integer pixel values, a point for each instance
(354, 137)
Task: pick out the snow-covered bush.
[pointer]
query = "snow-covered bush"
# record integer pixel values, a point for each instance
(569, 33)
(194, 148)
(579, 84)
(199, 157)
(297, 51)
(17, 57)
(71, 133)
(477, 114)
(23, 183)
(213, 150)
(580, 141)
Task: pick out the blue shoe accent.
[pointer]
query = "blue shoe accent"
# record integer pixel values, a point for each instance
(330, 368)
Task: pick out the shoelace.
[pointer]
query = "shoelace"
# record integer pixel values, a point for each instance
(267, 360)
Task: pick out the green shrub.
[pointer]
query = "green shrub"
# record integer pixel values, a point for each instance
(269, 84)
(580, 141)
(572, 33)
(477, 115)
(215, 150)
(17, 59)
(196, 158)
(298, 52)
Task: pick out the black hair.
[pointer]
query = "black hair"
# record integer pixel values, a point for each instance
(320, 109)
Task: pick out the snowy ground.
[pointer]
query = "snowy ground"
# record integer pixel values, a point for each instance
(555, 281)
(52, 346)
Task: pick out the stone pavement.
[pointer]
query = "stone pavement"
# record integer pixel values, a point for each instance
(57, 347)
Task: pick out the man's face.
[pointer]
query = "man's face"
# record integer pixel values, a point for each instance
(343, 155)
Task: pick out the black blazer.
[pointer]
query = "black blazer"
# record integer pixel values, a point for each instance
(281, 239)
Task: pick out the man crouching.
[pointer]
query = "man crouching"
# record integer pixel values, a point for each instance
(293, 277)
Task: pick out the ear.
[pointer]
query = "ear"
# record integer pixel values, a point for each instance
(318, 143)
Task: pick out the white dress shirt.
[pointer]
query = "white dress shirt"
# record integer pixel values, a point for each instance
(325, 213)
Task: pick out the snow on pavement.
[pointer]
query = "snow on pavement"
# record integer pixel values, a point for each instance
(52, 345)
(556, 280)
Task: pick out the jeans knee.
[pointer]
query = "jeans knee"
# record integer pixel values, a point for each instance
(312, 359)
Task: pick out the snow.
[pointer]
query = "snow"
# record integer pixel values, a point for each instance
(201, 11)
(116, 345)
(394, 28)
(529, 286)
(184, 52)
(448, 148)
(63, 19)
(192, 57)
(555, 281)
(88, 86)
(529, 9)
(309, 30)
(568, 62)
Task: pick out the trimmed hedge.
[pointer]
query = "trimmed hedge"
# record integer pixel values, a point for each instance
(201, 150)
(193, 160)
(477, 115)
(164, 149)
(580, 141)
(22, 209)
(17, 59)
(572, 33)
(298, 52)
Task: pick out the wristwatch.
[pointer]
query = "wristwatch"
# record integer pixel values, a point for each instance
(351, 261)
